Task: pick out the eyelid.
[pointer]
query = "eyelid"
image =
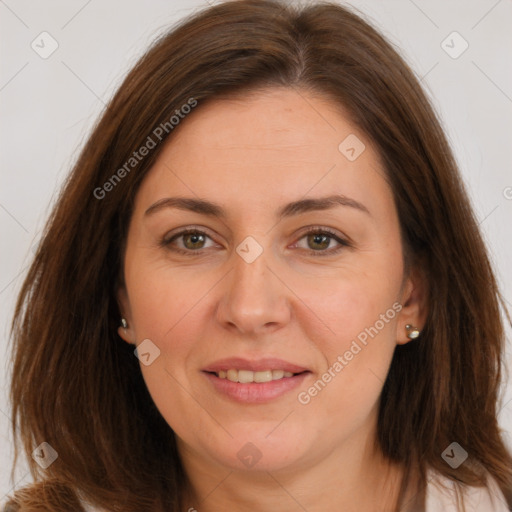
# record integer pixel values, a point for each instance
(314, 228)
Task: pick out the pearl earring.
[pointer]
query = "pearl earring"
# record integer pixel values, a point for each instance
(124, 323)
(412, 332)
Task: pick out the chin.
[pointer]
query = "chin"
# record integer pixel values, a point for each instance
(252, 451)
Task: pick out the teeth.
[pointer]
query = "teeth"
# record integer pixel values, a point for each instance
(265, 376)
(246, 376)
(278, 374)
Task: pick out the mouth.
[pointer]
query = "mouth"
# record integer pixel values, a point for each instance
(254, 382)
(248, 376)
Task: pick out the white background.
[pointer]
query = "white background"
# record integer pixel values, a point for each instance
(47, 107)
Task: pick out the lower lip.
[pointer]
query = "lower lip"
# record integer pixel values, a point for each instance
(256, 392)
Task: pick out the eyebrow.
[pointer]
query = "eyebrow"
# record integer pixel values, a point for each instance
(210, 209)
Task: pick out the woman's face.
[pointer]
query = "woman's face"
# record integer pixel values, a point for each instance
(273, 278)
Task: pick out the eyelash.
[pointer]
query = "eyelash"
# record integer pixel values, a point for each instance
(166, 242)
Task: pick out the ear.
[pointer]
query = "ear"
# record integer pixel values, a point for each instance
(127, 333)
(414, 305)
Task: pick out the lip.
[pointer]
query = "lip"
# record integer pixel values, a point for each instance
(259, 365)
(255, 392)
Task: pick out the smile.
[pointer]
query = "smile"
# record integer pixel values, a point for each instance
(246, 376)
(250, 391)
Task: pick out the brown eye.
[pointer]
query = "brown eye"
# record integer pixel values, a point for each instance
(193, 240)
(190, 242)
(318, 241)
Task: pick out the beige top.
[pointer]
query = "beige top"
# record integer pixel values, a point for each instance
(441, 499)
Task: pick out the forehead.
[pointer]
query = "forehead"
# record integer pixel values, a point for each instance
(271, 121)
(267, 147)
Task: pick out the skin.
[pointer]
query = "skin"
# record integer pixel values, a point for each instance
(252, 155)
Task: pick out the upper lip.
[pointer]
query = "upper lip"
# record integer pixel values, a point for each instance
(256, 365)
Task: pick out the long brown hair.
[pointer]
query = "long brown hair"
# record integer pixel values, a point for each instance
(77, 386)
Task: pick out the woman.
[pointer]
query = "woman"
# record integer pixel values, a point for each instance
(263, 286)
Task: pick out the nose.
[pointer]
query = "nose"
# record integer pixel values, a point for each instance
(254, 299)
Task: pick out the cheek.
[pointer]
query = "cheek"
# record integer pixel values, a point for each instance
(163, 299)
(166, 307)
(361, 313)
(349, 306)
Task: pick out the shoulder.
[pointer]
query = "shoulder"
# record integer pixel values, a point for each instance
(442, 496)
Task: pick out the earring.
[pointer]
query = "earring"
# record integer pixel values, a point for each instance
(412, 332)
(124, 323)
